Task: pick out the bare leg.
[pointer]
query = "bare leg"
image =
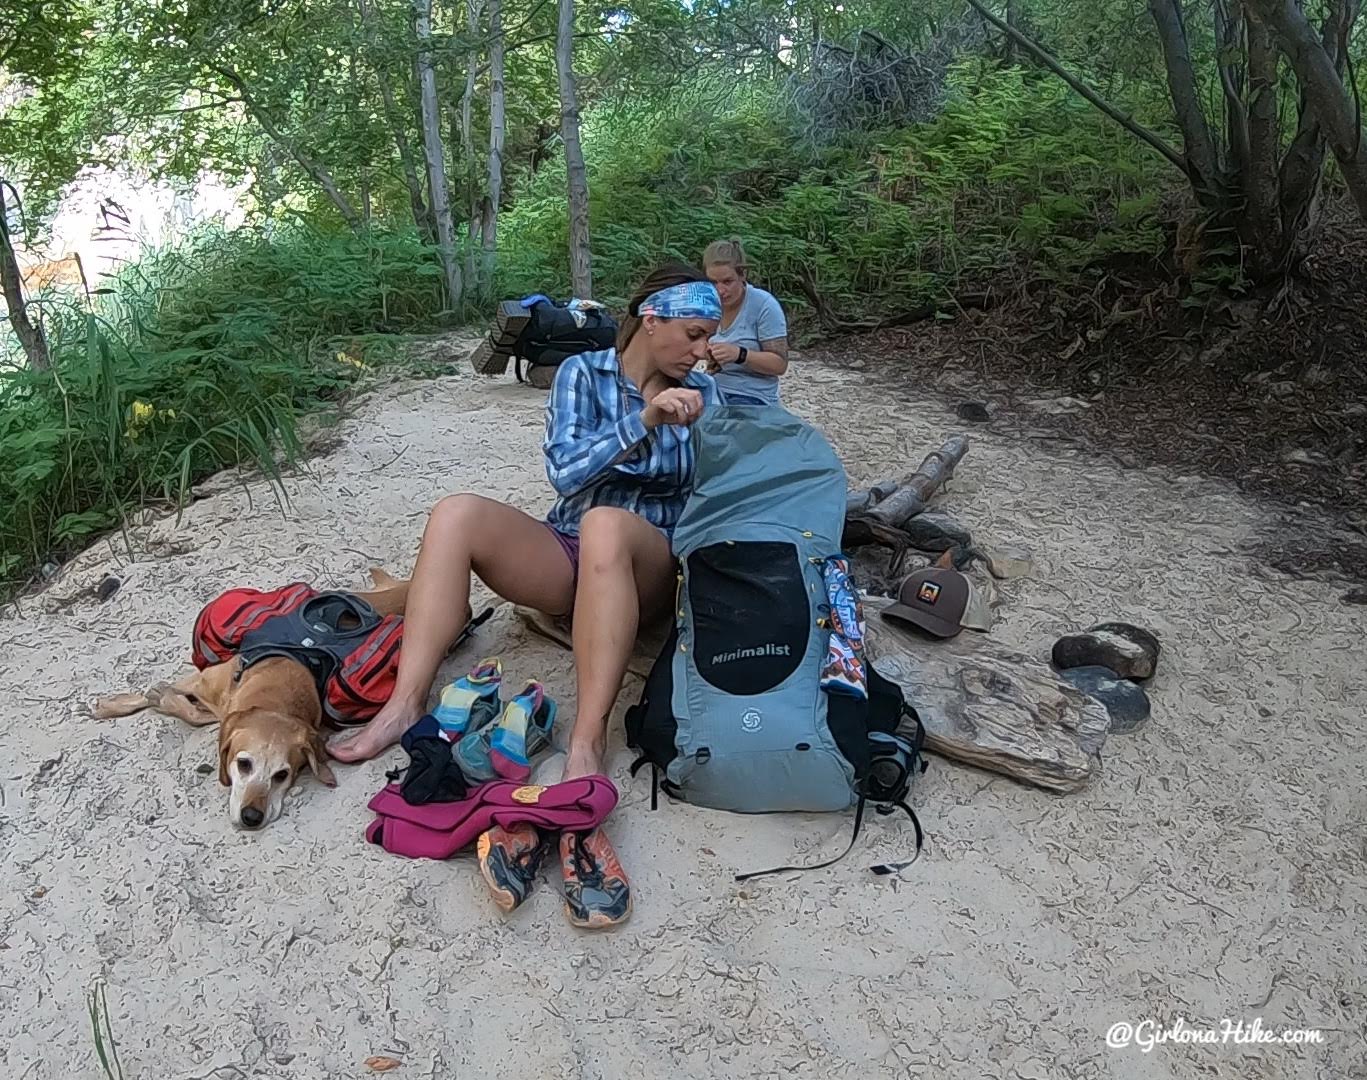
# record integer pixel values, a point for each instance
(625, 570)
(513, 553)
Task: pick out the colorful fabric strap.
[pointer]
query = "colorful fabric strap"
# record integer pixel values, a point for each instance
(844, 671)
(691, 300)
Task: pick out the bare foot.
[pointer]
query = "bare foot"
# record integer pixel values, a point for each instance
(377, 736)
(586, 760)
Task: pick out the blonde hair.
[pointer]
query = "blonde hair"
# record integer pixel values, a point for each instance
(727, 252)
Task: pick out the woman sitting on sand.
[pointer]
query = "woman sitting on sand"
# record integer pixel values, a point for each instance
(619, 456)
(749, 351)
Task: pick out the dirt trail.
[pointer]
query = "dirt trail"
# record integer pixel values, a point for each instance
(1215, 870)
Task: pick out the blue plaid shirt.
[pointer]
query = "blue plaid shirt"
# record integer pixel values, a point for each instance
(599, 453)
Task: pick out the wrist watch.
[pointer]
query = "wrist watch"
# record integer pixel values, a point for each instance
(742, 354)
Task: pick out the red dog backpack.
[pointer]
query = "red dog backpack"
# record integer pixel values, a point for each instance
(350, 649)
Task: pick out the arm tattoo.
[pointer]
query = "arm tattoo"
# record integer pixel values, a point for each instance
(777, 345)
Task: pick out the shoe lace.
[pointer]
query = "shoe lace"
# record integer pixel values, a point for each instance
(529, 858)
(585, 865)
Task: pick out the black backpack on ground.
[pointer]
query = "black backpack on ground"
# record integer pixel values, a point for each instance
(557, 331)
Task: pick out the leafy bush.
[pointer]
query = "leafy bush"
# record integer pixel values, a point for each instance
(198, 357)
(1014, 169)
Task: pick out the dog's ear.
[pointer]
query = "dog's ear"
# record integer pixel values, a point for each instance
(225, 749)
(317, 755)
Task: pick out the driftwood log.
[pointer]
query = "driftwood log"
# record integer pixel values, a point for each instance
(860, 501)
(985, 704)
(883, 513)
(981, 702)
(912, 494)
(649, 641)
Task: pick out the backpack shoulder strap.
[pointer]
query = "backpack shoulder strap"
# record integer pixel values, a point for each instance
(881, 869)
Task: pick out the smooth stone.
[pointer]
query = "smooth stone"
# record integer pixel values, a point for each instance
(1130, 651)
(1126, 703)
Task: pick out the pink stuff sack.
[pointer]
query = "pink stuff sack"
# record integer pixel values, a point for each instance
(439, 830)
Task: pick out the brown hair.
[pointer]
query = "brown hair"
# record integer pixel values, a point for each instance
(728, 252)
(662, 277)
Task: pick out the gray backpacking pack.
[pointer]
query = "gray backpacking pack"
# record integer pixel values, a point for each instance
(734, 713)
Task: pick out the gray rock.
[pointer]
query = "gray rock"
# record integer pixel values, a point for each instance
(1126, 703)
(1009, 561)
(1130, 651)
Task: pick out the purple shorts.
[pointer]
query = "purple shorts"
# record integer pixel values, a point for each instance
(570, 545)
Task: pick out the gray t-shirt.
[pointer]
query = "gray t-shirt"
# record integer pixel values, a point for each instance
(760, 318)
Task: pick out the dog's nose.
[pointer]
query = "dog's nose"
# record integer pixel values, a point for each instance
(252, 817)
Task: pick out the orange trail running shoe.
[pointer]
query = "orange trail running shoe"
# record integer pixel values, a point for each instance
(597, 893)
(509, 859)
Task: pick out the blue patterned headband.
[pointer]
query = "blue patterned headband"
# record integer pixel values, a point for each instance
(691, 300)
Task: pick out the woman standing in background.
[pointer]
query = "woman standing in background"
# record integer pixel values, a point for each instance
(749, 351)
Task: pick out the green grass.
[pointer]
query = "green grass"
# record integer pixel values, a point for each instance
(200, 357)
(106, 1050)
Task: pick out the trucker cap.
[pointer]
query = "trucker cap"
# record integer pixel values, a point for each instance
(942, 602)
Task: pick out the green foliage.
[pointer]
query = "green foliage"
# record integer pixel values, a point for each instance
(200, 357)
(1015, 170)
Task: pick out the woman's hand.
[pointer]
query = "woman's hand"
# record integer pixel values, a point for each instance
(723, 352)
(677, 405)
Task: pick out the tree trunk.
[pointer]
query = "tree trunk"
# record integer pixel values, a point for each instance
(364, 181)
(1318, 71)
(1203, 164)
(1231, 49)
(1012, 21)
(31, 337)
(399, 132)
(467, 143)
(436, 153)
(581, 276)
(1275, 241)
(498, 125)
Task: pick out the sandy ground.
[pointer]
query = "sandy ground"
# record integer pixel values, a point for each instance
(1215, 870)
